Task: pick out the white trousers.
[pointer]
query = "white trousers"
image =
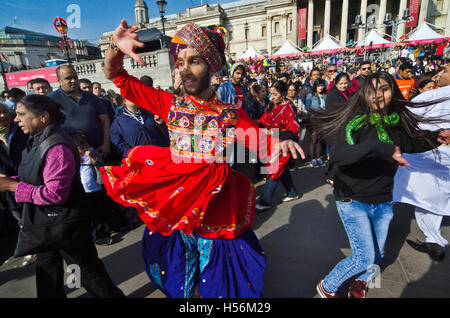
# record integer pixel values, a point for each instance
(430, 224)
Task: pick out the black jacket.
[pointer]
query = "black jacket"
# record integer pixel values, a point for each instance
(365, 171)
(335, 99)
(10, 158)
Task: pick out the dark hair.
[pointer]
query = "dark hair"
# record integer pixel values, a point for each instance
(331, 122)
(85, 80)
(295, 85)
(79, 138)
(16, 93)
(40, 80)
(5, 91)
(364, 63)
(257, 88)
(405, 66)
(316, 69)
(340, 76)
(317, 83)
(38, 104)
(284, 75)
(147, 80)
(424, 83)
(281, 87)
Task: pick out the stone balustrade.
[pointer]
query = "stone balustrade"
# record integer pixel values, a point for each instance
(159, 66)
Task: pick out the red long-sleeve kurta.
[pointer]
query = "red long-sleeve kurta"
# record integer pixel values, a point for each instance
(188, 186)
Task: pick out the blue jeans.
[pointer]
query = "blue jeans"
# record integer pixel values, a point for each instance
(272, 184)
(367, 228)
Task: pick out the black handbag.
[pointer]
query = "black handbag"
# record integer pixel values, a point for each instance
(48, 228)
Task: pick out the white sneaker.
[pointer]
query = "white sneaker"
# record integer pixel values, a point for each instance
(287, 199)
(262, 207)
(29, 259)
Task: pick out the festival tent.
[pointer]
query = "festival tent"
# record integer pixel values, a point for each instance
(327, 44)
(424, 34)
(373, 40)
(251, 52)
(288, 49)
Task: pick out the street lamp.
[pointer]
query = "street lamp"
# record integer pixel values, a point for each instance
(162, 9)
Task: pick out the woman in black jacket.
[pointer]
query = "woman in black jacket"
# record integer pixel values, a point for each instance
(54, 217)
(338, 94)
(367, 137)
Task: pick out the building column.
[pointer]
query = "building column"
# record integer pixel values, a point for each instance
(363, 14)
(423, 12)
(269, 34)
(344, 22)
(447, 21)
(381, 15)
(309, 36)
(401, 26)
(326, 23)
(284, 27)
(294, 35)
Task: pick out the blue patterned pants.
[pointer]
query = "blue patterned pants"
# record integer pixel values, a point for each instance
(221, 268)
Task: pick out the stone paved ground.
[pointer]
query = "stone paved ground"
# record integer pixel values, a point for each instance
(303, 240)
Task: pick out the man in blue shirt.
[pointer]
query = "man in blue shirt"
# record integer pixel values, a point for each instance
(84, 111)
(134, 126)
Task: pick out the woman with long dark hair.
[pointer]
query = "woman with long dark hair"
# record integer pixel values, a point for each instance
(367, 136)
(279, 116)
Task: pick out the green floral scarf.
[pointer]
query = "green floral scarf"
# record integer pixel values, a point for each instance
(376, 120)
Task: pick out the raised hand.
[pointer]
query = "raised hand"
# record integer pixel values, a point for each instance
(399, 158)
(285, 147)
(126, 39)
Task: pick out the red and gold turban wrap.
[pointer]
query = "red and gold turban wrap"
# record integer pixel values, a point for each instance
(208, 43)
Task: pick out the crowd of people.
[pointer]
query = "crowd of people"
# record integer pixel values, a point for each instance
(358, 118)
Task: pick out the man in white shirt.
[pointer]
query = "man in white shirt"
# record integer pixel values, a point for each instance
(426, 182)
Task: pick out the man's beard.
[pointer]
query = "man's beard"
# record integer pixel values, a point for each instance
(203, 84)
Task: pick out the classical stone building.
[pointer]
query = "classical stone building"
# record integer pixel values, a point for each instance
(267, 24)
(24, 47)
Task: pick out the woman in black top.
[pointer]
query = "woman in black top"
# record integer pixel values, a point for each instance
(367, 137)
(338, 94)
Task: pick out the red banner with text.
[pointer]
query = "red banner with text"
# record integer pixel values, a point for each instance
(414, 6)
(302, 21)
(22, 78)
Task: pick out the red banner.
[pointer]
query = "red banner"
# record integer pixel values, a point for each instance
(414, 6)
(302, 21)
(22, 78)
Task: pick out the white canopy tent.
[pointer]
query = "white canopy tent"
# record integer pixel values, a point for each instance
(327, 44)
(251, 52)
(424, 34)
(374, 39)
(288, 49)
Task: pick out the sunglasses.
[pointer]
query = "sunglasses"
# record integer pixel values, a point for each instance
(365, 69)
(332, 71)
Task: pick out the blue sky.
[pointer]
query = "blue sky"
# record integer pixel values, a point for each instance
(97, 16)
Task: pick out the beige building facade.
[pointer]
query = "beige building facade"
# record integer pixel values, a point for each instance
(267, 24)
